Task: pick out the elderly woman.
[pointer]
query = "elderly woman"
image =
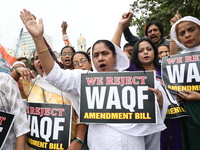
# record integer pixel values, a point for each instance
(186, 33)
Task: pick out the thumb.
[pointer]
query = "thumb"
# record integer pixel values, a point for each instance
(130, 15)
(40, 21)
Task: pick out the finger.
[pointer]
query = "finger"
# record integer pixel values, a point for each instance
(33, 17)
(184, 96)
(22, 16)
(40, 21)
(152, 89)
(178, 15)
(130, 16)
(173, 20)
(124, 15)
(188, 92)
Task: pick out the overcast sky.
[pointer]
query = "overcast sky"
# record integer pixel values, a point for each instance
(94, 19)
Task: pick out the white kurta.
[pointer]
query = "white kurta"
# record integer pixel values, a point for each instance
(11, 102)
(105, 136)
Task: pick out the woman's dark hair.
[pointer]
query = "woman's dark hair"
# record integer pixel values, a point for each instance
(83, 53)
(52, 55)
(134, 56)
(88, 49)
(67, 47)
(159, 25)
(32, 67)
(21, 58)
(108, 44)
(166, 45)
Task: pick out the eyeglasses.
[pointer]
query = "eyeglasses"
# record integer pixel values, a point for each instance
(69, 54)
(82, 61)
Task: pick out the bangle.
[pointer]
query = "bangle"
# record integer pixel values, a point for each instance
(42, 51)
(66, 41)
(78, 140)
(18, 67)
(17, 71)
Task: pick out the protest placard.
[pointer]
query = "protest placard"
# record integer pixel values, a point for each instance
(117, 97)
(50, 125)
(6, 122)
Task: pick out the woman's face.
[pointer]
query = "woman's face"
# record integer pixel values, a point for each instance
(66, 57)
(37, 64)
(81, 62)
(145, 53)
(103, 58)
(163, 51)
(188, 33)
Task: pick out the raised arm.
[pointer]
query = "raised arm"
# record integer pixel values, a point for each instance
(129, 37)
(173, 46)
(36, 30)
(123, 24)
(64, 26)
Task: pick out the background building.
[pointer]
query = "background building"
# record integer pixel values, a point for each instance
(25, 45)
(28, 46)
(81, 43)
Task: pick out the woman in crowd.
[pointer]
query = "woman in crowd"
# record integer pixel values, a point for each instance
(66, 54)
(12, 103)
(145, 57)
(39, 88)
(163, 50)
(81, 60)
(186, 33)
(106, 57)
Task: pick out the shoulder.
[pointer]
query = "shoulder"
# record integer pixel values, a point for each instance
(4, 77)
(132, 67)
(164, 42)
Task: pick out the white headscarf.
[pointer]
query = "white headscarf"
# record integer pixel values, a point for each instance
(174, 36)
(18, 62)
(122, 62)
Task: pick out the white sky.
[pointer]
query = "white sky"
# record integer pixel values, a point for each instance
(94, 19)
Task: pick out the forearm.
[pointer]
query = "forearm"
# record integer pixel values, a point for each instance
(81, 131)
(117, 35)
(20, 142)
(15, 76)
(173, 47)
(64, 31)
(129, 36)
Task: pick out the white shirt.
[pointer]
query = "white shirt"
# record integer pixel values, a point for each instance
(69, 81)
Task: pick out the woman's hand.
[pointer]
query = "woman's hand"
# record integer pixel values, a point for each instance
(159, 96)
(190, 96)
(29, 20)
(176, 17)
(64, 26)
(25, 73)
(126, 19)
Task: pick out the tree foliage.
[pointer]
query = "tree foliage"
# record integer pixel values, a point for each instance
(162, 11)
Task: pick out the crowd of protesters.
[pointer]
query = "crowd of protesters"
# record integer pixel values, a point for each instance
(55, 82)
